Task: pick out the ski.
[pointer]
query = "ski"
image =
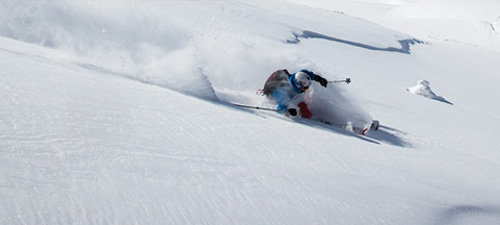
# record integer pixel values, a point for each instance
(358, 130)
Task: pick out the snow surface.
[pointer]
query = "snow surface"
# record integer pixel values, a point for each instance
(118, 112)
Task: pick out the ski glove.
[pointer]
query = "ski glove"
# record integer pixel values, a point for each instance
(321, 80)
(292, 112)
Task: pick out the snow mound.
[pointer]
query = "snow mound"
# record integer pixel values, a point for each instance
(423, 88)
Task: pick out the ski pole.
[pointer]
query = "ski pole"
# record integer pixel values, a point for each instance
(253, 107)
(347, 80)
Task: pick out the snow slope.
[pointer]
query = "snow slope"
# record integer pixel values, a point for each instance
(118, 114)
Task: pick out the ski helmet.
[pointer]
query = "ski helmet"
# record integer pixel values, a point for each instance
(302, 80)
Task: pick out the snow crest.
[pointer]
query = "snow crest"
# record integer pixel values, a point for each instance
(423, 89)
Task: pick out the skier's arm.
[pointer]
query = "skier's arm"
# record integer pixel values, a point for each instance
(282, 109)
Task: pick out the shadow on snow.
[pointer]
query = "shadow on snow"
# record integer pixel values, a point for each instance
(460, 214)
(405, 43)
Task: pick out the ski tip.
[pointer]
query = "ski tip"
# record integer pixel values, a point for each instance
(364, 131)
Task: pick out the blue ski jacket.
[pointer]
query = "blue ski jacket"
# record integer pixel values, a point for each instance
(283, 89)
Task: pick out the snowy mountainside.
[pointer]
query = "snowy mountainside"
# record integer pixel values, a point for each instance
(466, 21)
(118, 114)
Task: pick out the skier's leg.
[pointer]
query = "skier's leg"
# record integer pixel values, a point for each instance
(304, 110)
(282, 97)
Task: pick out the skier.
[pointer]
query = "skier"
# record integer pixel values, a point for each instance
(287, 89)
